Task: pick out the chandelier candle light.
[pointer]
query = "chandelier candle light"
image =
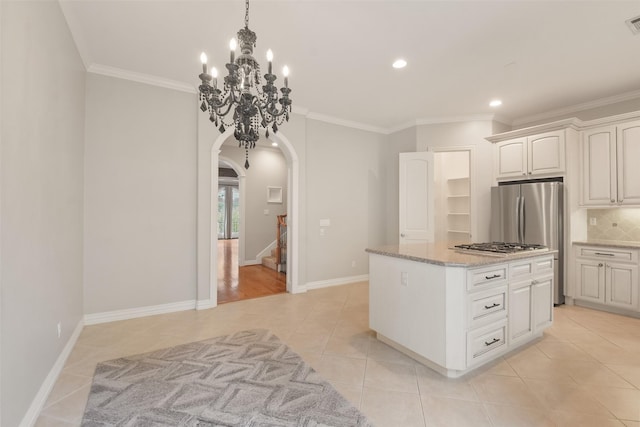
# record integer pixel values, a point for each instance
(253, 106)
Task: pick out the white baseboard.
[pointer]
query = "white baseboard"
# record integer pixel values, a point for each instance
(204, 304)
(39, 400)
(132, 313)
(335, 282)
(252, 262)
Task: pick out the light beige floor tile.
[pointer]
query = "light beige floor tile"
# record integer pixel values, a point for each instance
(348, 327)
(514, 416)
(43, 421)
(572, 419)
(431, 383)
(355, 346)
(497, 367)
(71, 407)
(311, 343)
(352, 393)
(382, 352)
(563, 350)
(446, 412)
(392, 409)
(391, 376)
(595, 373)
(629, 373)
(504, 390)
(566, 397)
(541, 369)
(623, 403)
(628, 423)
(341, 369)
(66, 384)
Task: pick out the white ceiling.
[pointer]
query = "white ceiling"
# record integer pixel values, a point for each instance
(536, 56)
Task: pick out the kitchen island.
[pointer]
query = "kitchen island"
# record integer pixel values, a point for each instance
(455, 311)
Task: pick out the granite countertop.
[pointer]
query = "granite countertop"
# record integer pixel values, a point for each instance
(609, 243)
(441, 254)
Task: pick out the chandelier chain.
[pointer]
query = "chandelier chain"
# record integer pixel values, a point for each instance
(246, 14)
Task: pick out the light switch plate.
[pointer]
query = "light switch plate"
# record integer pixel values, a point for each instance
(593, 221)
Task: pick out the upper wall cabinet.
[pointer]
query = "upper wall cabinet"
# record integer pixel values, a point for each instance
(610, 174)
(530, 156)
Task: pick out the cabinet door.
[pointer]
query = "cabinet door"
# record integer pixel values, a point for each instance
(511, 158)
(599, 166)
(520, 326)
(590, 280)
(622, 285)
(542, 303)
(546, 153)
(628, 147)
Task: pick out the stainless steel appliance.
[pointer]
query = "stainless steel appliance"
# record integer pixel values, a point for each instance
(531, 213)
(501, 249)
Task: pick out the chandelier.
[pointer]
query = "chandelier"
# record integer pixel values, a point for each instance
(253, 105)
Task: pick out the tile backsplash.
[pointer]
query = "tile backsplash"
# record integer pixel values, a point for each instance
(614, 224)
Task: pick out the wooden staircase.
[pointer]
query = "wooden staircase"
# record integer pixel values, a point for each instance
(278, 259)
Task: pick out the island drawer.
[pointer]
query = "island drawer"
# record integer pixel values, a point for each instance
(487, 306)
(485, 342)
(529, 267)
(479, 278)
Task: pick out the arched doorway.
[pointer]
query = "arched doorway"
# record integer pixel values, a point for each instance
(207, 207)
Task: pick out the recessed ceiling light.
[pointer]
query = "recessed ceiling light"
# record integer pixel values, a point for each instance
(274, 144)
(495, 103)
(399, 63)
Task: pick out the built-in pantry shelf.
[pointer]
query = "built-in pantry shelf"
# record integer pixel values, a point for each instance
(458, 213)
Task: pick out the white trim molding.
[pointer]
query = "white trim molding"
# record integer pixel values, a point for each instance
(39, 400)
(204, 304)
(336, 282)
(346, 123)
(132, 313)
(578, 107)
(119, 73)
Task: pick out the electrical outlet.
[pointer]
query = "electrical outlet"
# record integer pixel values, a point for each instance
(321, 231)
(59, 329)
(404, 278)
(593, 221)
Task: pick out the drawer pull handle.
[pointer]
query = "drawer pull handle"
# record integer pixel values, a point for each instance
(495, 276)
(604, 254)
(495, 304)
(495, 340)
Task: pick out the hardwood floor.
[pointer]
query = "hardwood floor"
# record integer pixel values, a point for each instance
(251, 281)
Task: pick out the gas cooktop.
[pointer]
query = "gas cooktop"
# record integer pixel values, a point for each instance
(499, 248)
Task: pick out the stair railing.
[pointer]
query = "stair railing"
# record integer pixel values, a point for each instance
(281, 243)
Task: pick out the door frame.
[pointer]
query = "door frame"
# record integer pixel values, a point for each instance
(293, 233)
(473, 217)
(241, 189)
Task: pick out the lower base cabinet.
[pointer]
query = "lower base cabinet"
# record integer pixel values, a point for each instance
(608, 276)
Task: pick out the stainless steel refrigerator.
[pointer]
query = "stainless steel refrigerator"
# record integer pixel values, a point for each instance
(531, 213)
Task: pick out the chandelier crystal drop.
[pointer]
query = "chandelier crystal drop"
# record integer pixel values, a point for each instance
(253, 105)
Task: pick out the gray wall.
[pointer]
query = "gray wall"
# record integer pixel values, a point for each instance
(268, 168)
(140, 195)
(43, 100)
(344, 185)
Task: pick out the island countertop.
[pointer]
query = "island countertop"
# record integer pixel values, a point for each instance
(610, 243)
(440, 253)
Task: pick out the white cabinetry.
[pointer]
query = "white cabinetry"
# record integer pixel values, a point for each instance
(530, 298)
(530, 156)
(453, 318)
(610, 174)
(607, 276)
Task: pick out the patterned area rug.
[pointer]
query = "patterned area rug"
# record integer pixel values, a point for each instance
(249, 378)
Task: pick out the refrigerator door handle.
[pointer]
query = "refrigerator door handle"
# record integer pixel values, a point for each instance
(521, 229)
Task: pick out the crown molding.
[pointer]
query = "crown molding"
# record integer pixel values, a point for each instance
(602, 102)
(141, 78)
(346, 123)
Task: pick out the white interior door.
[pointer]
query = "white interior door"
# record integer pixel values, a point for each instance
(416, 197)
